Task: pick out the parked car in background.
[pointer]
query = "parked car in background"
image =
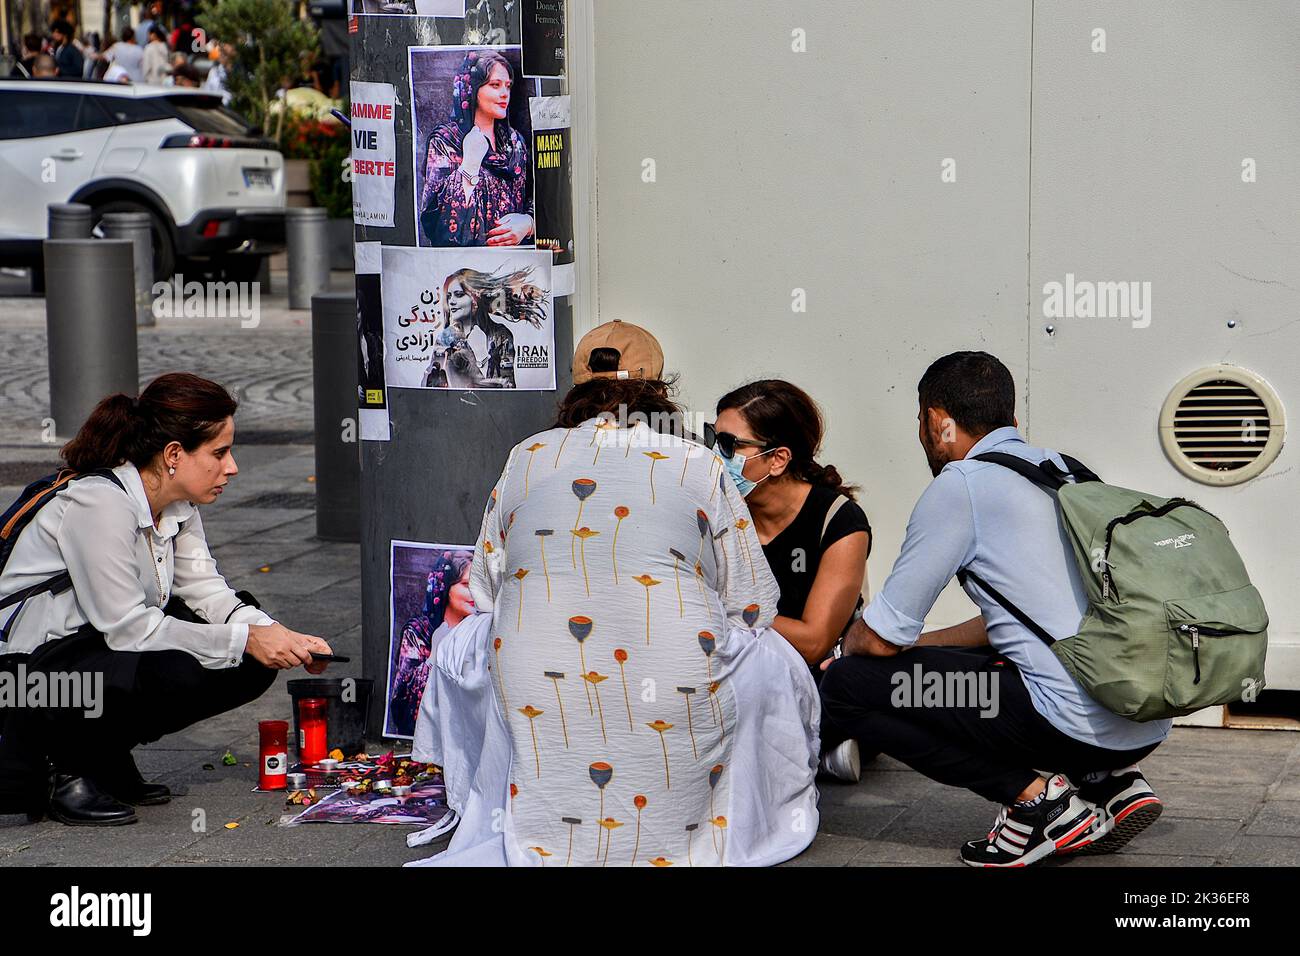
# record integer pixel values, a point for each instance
(212, 185)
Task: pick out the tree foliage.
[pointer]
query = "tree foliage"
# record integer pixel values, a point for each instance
(273, 49)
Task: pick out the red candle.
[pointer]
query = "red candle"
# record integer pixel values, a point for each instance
(311, 729)
(274, 736)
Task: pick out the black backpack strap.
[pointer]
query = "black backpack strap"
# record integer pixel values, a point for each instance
(245, 600)
(965, 575)
(61, 581)
(1048, 480)
(55, 585)
(1046, 474)
(1079, 470)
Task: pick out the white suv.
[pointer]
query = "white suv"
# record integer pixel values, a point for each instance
(214, 188)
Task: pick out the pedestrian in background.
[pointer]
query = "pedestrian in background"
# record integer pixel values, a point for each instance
(67, 57)
(127, 55)
(154, 62)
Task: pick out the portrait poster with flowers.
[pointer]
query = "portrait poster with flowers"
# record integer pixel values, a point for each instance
(471, 136)
(429, 595)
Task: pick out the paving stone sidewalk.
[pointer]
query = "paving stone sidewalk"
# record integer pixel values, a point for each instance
(1232, 796)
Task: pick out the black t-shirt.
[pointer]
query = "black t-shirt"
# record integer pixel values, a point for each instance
(795, 554)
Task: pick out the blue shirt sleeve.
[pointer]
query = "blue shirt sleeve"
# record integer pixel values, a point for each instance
(940, 539)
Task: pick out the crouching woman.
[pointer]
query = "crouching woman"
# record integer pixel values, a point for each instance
(110, 585)
(703, 743)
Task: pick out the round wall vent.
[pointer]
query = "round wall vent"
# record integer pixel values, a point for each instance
(1222, 425)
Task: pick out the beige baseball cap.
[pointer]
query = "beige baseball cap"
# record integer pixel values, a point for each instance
(639, 353)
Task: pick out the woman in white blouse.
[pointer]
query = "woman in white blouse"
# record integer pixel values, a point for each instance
(144, 615)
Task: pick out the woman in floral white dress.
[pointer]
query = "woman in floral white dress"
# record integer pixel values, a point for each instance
(618, 697)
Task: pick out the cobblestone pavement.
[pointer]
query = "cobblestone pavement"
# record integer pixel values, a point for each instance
(269, 371)
(268, 367)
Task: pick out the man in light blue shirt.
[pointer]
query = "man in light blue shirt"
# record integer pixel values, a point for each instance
(986, 705)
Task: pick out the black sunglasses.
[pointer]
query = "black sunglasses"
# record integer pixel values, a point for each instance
(726, 442)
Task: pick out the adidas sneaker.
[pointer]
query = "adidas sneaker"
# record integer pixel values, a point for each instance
(1023, 835)
(1126, 805)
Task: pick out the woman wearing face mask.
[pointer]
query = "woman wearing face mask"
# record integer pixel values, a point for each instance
(814, 535)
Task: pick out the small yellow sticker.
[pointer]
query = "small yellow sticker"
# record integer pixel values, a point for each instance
(374, 396)
(231, 826)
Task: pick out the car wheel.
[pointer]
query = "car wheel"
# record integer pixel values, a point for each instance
(164, 249)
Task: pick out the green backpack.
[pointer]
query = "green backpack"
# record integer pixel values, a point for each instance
(1173, 622)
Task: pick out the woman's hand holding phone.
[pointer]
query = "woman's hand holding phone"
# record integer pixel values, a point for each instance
(279, 648)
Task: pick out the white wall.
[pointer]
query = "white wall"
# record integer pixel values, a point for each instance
(820, 170)
(1137, 159)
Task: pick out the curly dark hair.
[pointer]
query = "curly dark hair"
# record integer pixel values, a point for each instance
(624, 398)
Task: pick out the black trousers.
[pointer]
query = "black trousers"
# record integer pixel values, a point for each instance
(995, 756)
(145, 696)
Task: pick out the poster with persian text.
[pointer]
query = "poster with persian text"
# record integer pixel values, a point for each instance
(468, 318)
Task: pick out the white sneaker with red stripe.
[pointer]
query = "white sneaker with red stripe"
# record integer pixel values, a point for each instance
(1023, 835)
(1126, 806)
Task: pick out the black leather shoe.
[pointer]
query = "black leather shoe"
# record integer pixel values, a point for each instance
(77, 802)
(123, 782)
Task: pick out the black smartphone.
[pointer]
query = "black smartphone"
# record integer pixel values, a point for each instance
(330, 658)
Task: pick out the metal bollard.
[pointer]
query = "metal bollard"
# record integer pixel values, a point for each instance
(66, 220)
(135, 226)
(334, 376)
(307, 232)
(70, 220)
(90, 326)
